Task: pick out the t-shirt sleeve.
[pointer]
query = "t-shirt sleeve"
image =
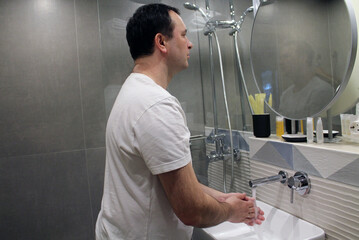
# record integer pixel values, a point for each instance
(162, 137)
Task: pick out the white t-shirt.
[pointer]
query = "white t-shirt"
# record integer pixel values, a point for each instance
(307, 101)
(146, 135)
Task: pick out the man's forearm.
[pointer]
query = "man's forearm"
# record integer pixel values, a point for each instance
(220, 196)
(212, 192)
(198, 205)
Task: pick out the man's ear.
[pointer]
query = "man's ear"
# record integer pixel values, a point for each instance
(160, 42)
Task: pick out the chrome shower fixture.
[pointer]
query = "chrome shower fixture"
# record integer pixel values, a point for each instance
(237, 26)
(244, 14)
(194, 7)
(191, 6)
(282, 177)
(265, 2)
(248, 10)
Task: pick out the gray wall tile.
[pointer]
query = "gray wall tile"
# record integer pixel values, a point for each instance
(45, 197)
(92, 86)
(39, 96)
(96, 168)
(348, 174)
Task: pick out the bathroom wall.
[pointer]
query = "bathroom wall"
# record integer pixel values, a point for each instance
(62, 64)
(52, 119)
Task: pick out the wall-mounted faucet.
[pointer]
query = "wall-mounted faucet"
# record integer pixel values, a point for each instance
(281, 177)
(300, 182)
(222, 152)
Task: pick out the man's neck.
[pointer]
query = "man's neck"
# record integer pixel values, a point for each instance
(153, 68)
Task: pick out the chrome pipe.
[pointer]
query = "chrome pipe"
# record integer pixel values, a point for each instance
(231, 10)
(214, 98)
(222, 23)
(281, 177)
(241, 82)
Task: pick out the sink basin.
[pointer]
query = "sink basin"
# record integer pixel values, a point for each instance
(278, 225)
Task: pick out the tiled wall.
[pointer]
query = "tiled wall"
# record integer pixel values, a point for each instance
(52, 119)
(62, 64)
(50, 196)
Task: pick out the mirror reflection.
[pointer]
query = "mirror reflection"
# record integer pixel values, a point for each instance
(300, 53)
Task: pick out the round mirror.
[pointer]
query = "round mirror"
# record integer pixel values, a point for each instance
(303, 53)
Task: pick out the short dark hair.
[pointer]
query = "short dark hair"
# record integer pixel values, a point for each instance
(146, 22)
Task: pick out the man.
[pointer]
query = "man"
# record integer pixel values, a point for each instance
(151, 191)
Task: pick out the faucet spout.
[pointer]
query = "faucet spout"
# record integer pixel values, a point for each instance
(281, 177)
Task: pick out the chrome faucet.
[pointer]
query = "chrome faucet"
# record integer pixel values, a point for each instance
(281, 177)
(300, 182)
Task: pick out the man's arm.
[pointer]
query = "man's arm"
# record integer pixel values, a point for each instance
(220, 196)
(196, 205)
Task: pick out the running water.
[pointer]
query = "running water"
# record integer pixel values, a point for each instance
(257, 229)
(254, 193)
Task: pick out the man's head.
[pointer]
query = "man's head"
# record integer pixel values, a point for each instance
(143, 26)
(296, 61)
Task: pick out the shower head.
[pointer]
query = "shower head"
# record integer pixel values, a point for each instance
(250, 9)
(241, 19)
(192, 6)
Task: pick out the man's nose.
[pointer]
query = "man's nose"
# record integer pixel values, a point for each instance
(190, 45)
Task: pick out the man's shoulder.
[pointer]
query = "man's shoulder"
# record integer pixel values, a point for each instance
(139, 93)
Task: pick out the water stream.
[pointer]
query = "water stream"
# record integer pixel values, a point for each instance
(257, 229)
(254, 195)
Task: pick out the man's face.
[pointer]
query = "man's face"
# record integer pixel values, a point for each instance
(178, 45)
(287, 62)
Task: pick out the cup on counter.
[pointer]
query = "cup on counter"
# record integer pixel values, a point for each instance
(291, 126)
(279, 126)
(261, 125)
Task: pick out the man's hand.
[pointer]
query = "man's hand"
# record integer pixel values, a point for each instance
(241, 209)
(254, 215)
(259, 215)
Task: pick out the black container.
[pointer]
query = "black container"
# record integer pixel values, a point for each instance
(261, 125)
(288, 126)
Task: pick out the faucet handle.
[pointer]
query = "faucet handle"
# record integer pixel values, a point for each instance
(300, 182)
(284, 176)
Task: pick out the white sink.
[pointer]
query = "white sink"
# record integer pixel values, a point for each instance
(278, 225)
